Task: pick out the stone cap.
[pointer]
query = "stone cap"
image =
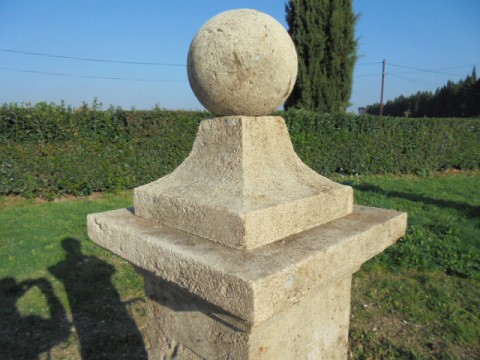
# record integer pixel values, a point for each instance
(253, 284)
(244, 186)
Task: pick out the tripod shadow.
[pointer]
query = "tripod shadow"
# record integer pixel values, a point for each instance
(104, 327)
(26, 337)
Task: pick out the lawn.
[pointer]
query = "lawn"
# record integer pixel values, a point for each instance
(64, 297)
(421, 297)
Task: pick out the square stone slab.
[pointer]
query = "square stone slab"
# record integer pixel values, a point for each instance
(252, 285)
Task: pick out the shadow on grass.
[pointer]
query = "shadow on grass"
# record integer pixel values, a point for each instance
(26, 337)
(469, 210)
(104, 327)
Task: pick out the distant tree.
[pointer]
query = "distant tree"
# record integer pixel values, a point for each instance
(324, 35)
(459, 99)
(424, 104)
(473, 102)
(467, 96)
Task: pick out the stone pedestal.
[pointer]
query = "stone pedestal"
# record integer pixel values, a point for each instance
(286, 300)
(246, 252)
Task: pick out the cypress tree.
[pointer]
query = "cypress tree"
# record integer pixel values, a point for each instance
(324, 35)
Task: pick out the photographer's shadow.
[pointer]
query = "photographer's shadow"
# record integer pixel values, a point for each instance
(28, 336)
(104, 327)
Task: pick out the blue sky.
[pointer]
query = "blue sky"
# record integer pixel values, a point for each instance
(425, 43)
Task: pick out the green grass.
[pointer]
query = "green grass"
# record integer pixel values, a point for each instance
(61, 294)
(421, 297)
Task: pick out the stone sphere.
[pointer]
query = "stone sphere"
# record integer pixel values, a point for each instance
(242, 62)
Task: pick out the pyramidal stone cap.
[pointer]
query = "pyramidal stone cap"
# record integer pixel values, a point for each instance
(242, 62)
(243, 186)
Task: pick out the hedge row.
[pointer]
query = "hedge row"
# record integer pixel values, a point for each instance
(350, 144)
(49, 150)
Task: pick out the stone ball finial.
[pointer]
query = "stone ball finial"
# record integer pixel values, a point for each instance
(242, 62)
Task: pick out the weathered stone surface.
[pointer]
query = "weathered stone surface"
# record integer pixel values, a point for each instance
(243, 186)
(315, 327)
(257, 284)
(242, 62)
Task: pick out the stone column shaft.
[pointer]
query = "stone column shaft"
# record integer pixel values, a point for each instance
(182, 326)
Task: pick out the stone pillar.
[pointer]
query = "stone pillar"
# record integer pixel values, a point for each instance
(315, 327)
(246, 252)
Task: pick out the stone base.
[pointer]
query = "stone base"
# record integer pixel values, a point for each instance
(285, 300)
(182, 326)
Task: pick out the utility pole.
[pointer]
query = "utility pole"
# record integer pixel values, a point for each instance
(383, 86)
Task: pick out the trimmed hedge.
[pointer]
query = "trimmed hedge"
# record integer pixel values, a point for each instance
(360, 145)
(49, 150)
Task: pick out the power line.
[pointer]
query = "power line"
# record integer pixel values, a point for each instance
(415, 70)
(89, 59)
(370, 63)
(412, 80)
(448, 67)
(434, 71)
(88, 76)
(366, 75)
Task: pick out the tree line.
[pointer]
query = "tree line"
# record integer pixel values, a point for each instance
(455, 99)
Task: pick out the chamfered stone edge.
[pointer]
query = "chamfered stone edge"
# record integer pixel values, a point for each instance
(251, 284)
